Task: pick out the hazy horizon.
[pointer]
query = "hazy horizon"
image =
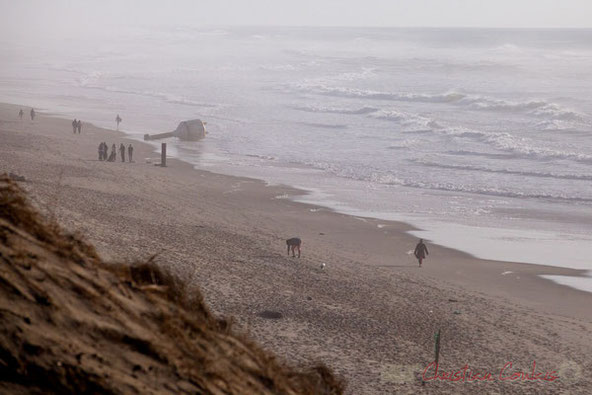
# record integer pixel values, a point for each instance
(36, 19)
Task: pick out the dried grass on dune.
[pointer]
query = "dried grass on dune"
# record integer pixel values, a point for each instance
(71, 323)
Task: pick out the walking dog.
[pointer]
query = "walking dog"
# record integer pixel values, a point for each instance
(294, 243)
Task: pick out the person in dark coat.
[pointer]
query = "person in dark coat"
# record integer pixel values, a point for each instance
(122, 152)
(21, 113)
(74, 126)
(130, 152)
(32, 114)
(79, 126)
(421, 251)
(113, 154)
(101, 155)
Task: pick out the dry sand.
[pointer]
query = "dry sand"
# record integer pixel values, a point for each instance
(371, 314)
(71, 323)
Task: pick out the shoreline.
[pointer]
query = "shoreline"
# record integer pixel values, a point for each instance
(542, 272)
(225, 234)
(477, 241)
(579, 279)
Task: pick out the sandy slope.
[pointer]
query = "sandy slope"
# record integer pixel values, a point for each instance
(70, 323)
(371, 315)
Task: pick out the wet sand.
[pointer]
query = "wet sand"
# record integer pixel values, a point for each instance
(371, 314)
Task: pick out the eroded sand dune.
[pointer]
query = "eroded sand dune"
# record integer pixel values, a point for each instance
(70, 323)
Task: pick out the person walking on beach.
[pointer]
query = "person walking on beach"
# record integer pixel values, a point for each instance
(74, 126)
(21, 113)
(118, 120)
(113, 155)
(122, 152)
(421, 251)
(79, 126)
(32, 114)
(103, 151)
(130, 152)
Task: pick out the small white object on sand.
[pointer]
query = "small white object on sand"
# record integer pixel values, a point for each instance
(323, 266)
(508, 272)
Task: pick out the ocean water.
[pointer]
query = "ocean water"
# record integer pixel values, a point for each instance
(482, 138)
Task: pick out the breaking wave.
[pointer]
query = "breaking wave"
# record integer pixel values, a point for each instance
(581, 177)
(518, 146)
(336, 110)
(497, 192)
(413, 121)
(324, 125)
(386, 178)
(536, 108)
(521, 147)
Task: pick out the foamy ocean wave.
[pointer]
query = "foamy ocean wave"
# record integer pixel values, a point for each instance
(337, 110)
(415, 179)
(537, 108)
(467, 167)
(410, 121)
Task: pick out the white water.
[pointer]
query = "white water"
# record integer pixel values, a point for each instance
(480, 137)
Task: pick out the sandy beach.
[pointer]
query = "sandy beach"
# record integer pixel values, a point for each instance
(371, 314)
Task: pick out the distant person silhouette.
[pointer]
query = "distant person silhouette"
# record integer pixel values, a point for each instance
(74, 126)
(21, 113)
(113, 154)
(101, 155)
(130, 152)
(421, 251)
(122, 152)
(118, 120)
(79, 126)
(32, 114)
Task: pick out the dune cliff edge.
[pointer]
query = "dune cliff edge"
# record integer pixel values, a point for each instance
(70, 323)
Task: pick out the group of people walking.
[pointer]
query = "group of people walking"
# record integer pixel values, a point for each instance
(31, 113)
(76, 126)
(112, 157)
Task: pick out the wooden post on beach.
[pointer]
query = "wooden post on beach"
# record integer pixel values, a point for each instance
(437, 347)
(163, 155)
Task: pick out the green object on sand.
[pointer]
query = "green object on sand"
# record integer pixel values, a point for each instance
(437, 346)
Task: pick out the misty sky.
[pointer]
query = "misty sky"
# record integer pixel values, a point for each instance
(19, 17)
